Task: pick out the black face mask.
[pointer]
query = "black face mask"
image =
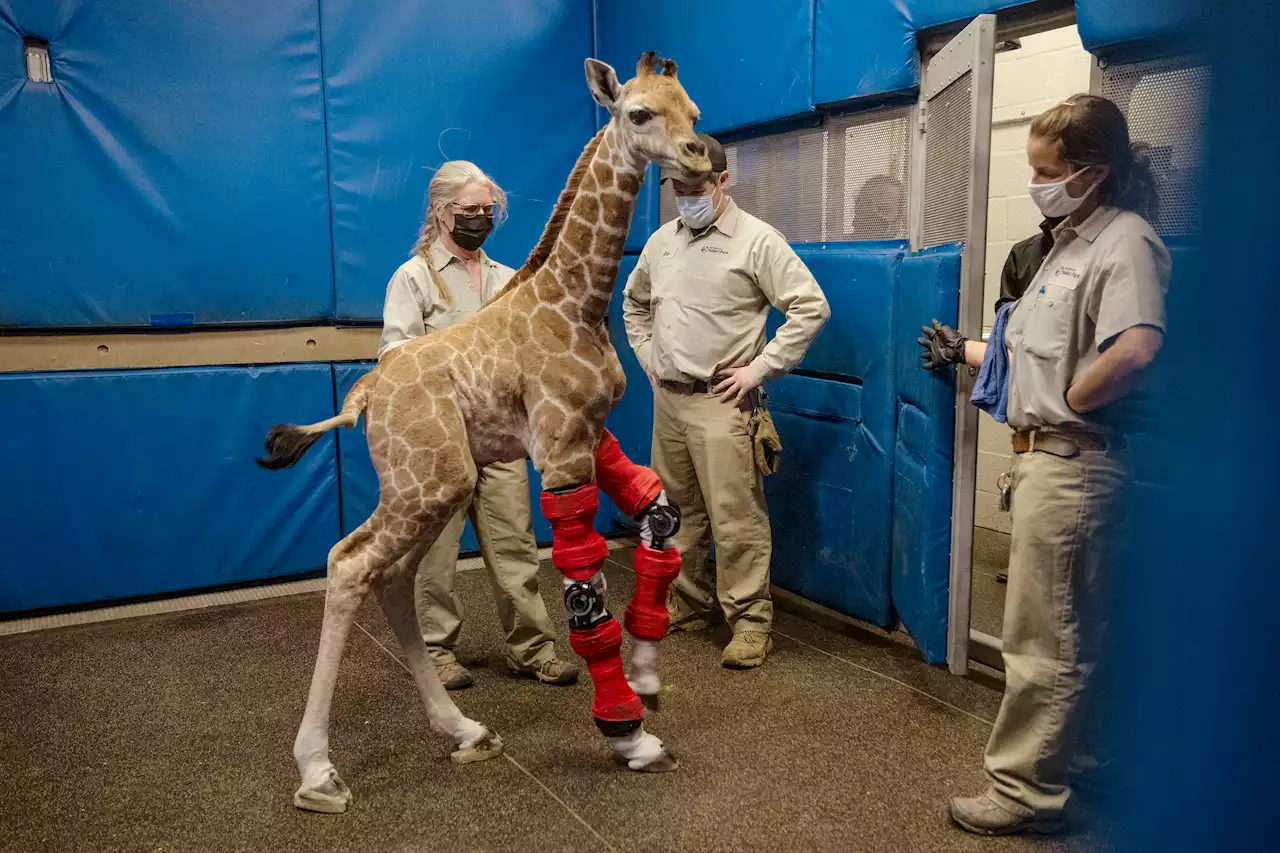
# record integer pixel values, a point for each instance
(469, 232)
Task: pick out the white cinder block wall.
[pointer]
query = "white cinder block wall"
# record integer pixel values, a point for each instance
(1047, 69)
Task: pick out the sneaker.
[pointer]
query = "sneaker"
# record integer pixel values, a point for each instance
(453, 675)
(984, 816)
(554, 671)
(747, 649)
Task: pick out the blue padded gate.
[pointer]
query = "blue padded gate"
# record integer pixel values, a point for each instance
(131, 483)
(928, 287)
(830, 504)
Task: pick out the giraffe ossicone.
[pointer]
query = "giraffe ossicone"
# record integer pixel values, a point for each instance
(532, 374)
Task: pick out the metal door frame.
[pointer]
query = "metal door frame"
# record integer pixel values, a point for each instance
(971, 51)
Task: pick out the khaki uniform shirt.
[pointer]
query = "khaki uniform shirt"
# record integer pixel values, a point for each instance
(697, 303)
(1107, 275)
(415, 306)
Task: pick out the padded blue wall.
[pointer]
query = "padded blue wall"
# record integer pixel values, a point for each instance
(862, 49)
(360, 481)
(176, 166)
(830, 503)
(743, 61)
(414, 83)
(928, 287)
(1104, 24)
(128, 483)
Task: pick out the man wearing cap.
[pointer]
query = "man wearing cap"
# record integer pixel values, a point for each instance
(695, 311)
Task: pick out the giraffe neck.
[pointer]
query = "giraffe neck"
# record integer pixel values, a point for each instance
(584, 264)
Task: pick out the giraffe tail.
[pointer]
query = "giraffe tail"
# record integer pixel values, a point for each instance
(286, 443)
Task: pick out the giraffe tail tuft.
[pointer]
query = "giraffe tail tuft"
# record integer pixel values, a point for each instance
(287, 443)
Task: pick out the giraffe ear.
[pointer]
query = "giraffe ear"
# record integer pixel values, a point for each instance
(603, 82)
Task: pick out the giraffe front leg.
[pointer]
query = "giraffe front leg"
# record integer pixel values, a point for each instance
(579, 553)
(638, 492)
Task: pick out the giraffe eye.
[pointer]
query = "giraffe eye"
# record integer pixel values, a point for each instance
(640, 116)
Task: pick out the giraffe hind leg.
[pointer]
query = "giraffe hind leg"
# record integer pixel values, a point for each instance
(474, 742)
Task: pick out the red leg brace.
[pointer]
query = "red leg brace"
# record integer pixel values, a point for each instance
(615, 702)
(647, 617)
(577, 549)
(579, 552)
(630, 486)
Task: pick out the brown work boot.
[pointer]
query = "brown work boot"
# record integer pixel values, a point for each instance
(984, 816)
(747, 649)
(685, 618)
(453, 675)
(554, 671)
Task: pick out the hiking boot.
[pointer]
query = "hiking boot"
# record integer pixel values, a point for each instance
(684, 619)
(747, 649)
(554, 671)
(453, 675)
(984, 816)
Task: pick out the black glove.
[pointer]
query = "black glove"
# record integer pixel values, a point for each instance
(943, 345)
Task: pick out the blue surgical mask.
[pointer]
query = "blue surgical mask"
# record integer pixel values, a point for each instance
(697, 211)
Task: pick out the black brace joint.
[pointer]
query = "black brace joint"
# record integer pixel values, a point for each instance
(616, 728)
(585, 605)
(664, 521)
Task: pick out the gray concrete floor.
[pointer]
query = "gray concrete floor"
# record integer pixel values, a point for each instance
(173, 733)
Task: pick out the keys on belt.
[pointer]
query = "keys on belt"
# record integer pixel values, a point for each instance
(1063, 444)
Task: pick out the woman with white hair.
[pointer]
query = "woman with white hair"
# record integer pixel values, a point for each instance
(446, 280)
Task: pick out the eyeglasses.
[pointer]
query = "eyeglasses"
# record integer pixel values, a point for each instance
(474, 209)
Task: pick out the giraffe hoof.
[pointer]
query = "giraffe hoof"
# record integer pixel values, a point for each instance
(664, 763)
(489, 746)
(332, 796)
(651, 701)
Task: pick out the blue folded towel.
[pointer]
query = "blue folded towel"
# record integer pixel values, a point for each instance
(991, 391)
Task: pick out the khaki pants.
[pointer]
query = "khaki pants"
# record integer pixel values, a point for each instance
(703, 454)
(501, 516)
(1069, 517)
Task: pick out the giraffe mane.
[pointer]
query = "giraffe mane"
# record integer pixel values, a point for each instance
(559, 215)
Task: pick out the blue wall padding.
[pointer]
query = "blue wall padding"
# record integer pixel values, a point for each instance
(928, 287)
(360, 482)
(176, 166)
(742, 61)
(862, 49)
(829, 502)
(414, 83)
(130, 483)
(1105, 24)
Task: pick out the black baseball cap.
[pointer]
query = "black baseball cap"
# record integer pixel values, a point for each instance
(715, 151)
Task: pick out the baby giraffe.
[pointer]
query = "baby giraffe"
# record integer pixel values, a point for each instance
(533, 374)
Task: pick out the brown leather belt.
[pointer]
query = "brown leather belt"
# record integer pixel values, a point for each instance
(1065, 444)
(695, 387)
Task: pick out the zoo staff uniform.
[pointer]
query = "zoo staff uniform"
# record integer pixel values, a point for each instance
(695, 305)
(499, 510)
(1070, 471)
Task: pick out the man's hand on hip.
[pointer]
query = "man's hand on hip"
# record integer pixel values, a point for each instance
(735, 384)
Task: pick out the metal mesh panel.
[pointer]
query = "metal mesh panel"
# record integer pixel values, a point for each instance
(846, 180)
(867, 176)
(1164, 101)
(947, 152)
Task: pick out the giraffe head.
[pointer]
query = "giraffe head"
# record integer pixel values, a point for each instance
(652, 114)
